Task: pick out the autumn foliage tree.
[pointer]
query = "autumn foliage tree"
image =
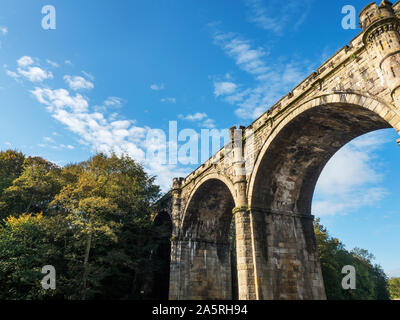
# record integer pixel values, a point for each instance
(90, 220)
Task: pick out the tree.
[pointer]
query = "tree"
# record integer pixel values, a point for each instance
(33, 189)
(11, 162)
(90, 220)
(23, 252)
(371, 281)
(394, 288)
(109, 202)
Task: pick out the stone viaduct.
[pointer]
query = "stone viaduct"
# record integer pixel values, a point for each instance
(265, 177)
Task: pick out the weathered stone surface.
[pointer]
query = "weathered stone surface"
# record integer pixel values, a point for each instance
(268, 184)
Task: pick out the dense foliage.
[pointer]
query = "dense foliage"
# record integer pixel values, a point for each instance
(394, 288)
(91, 221)
(371, 281)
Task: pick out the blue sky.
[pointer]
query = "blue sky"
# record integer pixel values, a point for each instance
(113, 70)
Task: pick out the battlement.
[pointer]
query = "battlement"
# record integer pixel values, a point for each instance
(372, 13)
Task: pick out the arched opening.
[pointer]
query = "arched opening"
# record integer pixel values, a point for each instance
(161, 257)
(206, 271)
(282, 193)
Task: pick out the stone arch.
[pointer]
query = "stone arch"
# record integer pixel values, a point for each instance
(211, 176)
(283, 181)
(387, 112)
(204, 240)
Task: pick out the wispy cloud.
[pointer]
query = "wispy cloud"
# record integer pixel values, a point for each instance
(276, 16)
(157, 87)
(224, 88)
(201, 118)
(28, 71)
(351, 179)
(88, 75)
(114, 102)
(169, 100)
(193, 117)
(3, 30)
(78, 83)
(273, 77)
(52, 63)
(35, 74)
(25, 61)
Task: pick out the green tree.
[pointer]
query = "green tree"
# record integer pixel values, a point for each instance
(90, 220)
(33, 189)
(371, 281)
(23, 252)
(11, 162)
(107, 206)
(394, 288)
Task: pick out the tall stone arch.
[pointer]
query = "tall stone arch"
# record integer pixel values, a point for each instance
(282, 186)
(201, 258)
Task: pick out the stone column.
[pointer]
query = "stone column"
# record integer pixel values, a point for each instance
(286, 256)
(244, 242)
(244, 255)
(175, 276)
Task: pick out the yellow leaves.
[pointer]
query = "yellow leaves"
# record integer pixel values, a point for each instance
(16, 222)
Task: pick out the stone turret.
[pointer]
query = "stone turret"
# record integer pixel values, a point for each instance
(381, 36)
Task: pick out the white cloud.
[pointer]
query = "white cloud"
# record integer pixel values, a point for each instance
(29, 72)
(78, 83)
(157, 87)
(272, 79)
(224, 88)
(88, 75)
(246, 57)
(69, 147)
(194, 117)
(105, 135)
(276, 16)
(169, 100)
(25, 61)
(94, 126)
(208, 123)
(347, 203)
(48, 139)
(52, 63)
(35, 74)
(351, 178)
(60, 99)
(3, 30)
(114, 102)
(200, 117)
(12, 74)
